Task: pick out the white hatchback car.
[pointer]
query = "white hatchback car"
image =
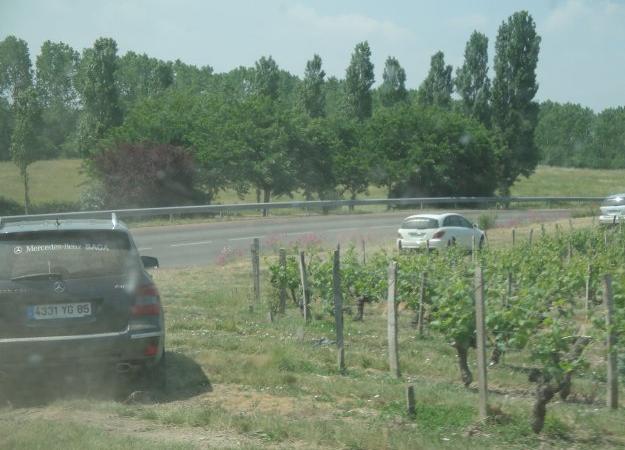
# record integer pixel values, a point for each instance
(438, 231)
(612, 209)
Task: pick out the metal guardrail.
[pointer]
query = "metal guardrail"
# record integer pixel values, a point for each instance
(318, 204)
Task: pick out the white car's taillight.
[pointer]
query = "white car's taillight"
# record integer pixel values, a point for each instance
(439, 234)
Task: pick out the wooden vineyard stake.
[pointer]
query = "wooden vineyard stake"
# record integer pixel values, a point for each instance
(364, 252)
(255, 272)
(587, 298)
(481, 343)
(612, 369)
(529, 239)
(421, 319)
(282, 262)
(513, 236)
(305, 291)
(393, 355)
(338, 308)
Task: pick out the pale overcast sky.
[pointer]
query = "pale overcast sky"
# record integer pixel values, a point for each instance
(582, 57)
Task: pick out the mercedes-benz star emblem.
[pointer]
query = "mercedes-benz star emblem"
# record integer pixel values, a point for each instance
(17, 250)
(59, 287)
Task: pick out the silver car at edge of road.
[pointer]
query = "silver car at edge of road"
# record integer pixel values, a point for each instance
(438, 231)
(612, 209)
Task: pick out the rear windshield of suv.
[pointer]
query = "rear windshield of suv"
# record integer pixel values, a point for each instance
(68, 254)
(421, 223)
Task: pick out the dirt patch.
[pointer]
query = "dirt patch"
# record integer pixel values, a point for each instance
(136, 428)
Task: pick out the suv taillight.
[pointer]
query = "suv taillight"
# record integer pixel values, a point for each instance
(147, 301)
(439, 234)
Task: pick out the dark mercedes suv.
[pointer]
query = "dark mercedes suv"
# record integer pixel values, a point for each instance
(76, 293)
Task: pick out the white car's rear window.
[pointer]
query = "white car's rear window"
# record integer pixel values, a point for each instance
(614, 201)
(421, 223)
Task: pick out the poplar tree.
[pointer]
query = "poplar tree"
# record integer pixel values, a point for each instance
(358, 81)
(312, 93)
(472, 82)
(437, 87)
(393, 88)
(515, 113)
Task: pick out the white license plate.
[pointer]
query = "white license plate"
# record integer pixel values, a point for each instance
(59, 311)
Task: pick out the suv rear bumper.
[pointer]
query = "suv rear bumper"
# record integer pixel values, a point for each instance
(609, 219)
(91, 349)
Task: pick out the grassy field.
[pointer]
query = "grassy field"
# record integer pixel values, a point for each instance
(238, 381)
(50, 181)
(61, 180)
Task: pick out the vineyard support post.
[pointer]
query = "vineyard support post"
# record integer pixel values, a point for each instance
(364, 252)
(569, 253)
(256, 271)
(513, 236)
(612, 369)
(421, 320)
(338, 308)
(587, 298)
(473, 254)
(529, 239)
(481, 343)
(393, 356)
(282, 259)
(304, 282)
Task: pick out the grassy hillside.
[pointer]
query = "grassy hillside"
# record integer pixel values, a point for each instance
(60, 181)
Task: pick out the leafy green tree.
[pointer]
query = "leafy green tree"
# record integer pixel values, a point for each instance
(358, 81)
(393, 88)
(6, 128)
(437, 87)
(190, 77)
(563, 135)
(431, 152)
(267, 78)
(15, 67)
(141, 76)
(334, 93)
(99, 93)
(317, 144)
(56, 69)
(25, 142)
(472, 82)
(312, 93)
(608, 144)
(514, 111)
(352, 160)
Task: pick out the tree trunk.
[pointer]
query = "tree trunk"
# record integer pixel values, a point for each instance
(544, 394)
(26, 190)
(462, 353)
(266, 199)
(360, 308)
(353, 197)
(495, 356)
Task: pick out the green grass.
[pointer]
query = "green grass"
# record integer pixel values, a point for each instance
(560, 181)
(60, 181)
(268, 385)
(50, 181)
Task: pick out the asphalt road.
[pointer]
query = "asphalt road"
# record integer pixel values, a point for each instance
(215, 242)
